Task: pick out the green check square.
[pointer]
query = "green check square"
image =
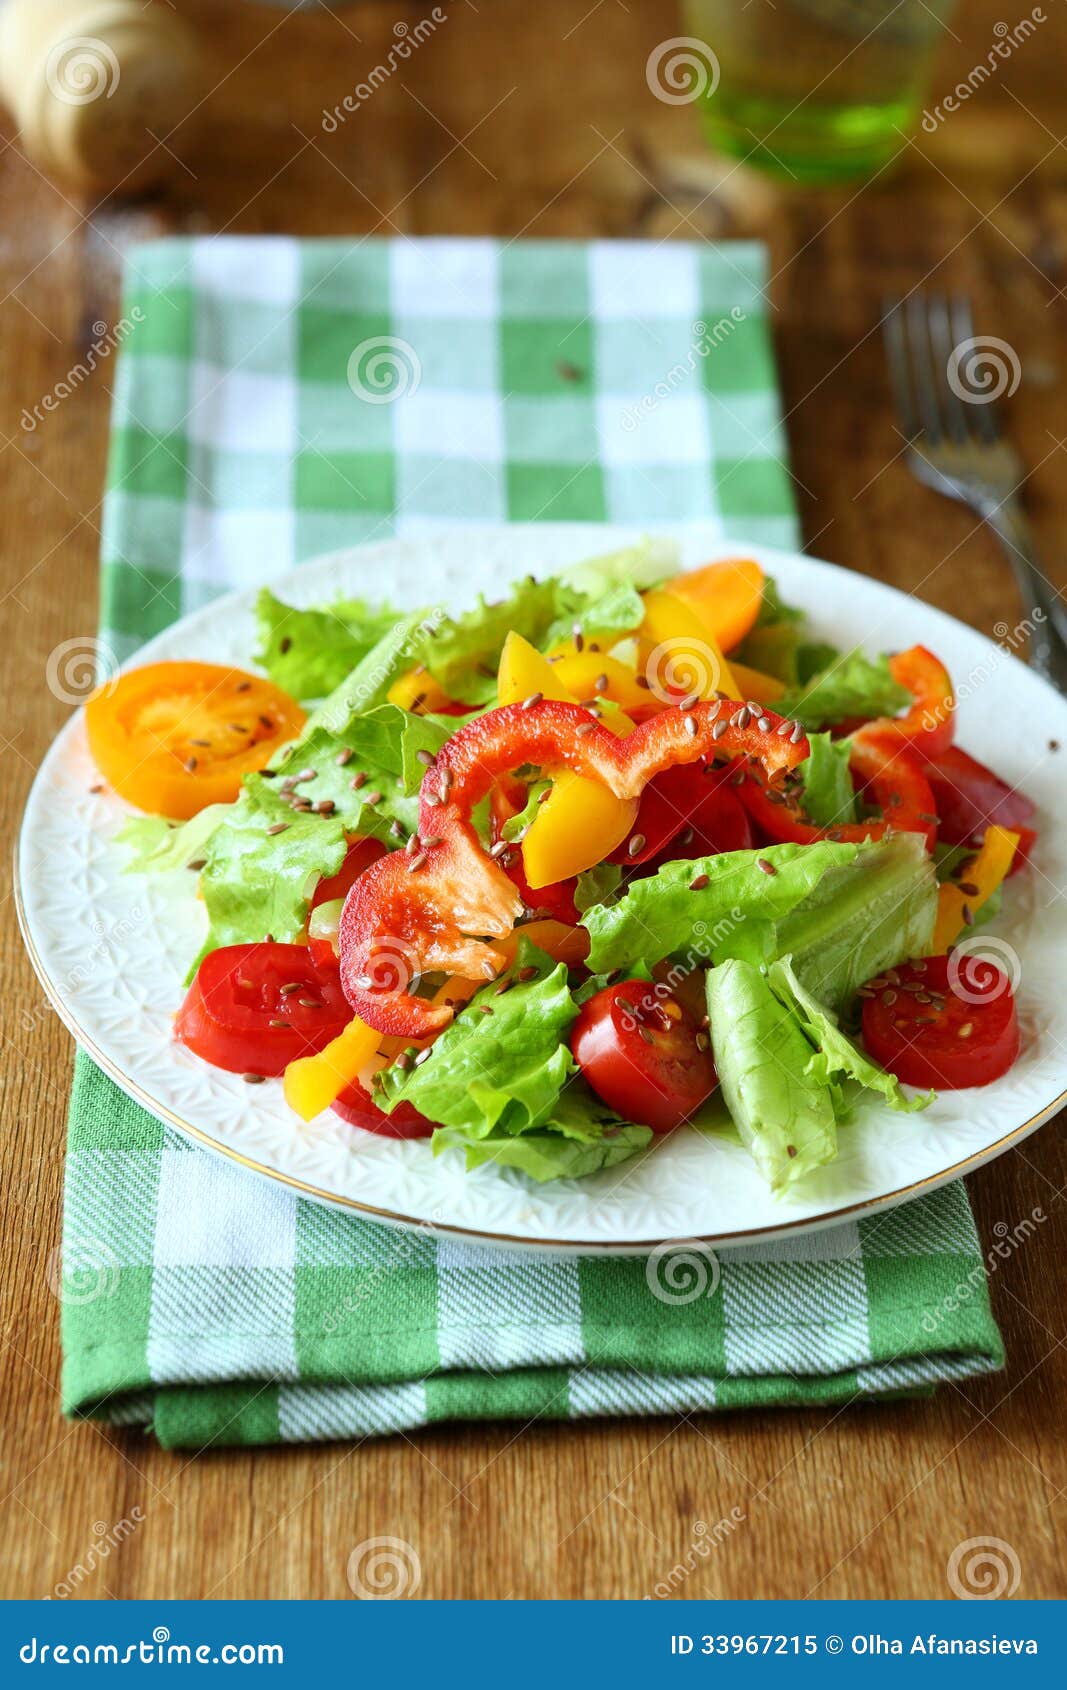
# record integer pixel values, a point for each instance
(556, 493)
(549, 355)
(361, 482)
(329, 342)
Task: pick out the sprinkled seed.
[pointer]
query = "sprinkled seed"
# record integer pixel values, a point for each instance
(742, 717)
(423, 1056)
(199, 742)
(417, 702)
(699, 883)
(686, 836)
(499, 848)
(790, 1150)
(310, 1003)
(502, 986)
(277, 1022)
(527, 973)
(246, 985)
(278, 827)
(253, 1079)
(719, 729)
(601, 682)
(797, 734)
(428, 844)
(265, 722)
(344, 756)
(702, 1041)
(325, 807)
(579, 637)
(290, 986)
(889, 998)
(968, 915)
(243, 686)
(691, 726)
(284, 645)
(426, 758)
(534, 698)
(585, 728)
(636, 844)
(413, 845)
(301, 805)
(764, 724)
(924, 816)
(190, 765)
(768, 868)
(485, 1009)
(416, 862)
(783, 728)
(865, 992)
(395, 829)
(305, 774)
(970, 889)
(919, 967)
(646, 1034)
(965, 1031)
(542, 797)
(374, 797)
(714, 709)
(643, 682)
(688, 701)
(358, 780)
(432, 798)
(197, 864)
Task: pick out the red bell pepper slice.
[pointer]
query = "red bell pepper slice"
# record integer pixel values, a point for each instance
(930, 723)
(439, 906)
(969, 797)
(890, 777)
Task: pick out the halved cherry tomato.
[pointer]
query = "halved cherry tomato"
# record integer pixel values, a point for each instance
(174, 737)
(643, 1055)
(968, 797)
(889, 776)
(255, 1008)
(943, 1023)
(356, 1106)
(362, 851)
(930, 723)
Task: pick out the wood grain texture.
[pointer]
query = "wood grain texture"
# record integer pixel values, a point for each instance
(521, 120)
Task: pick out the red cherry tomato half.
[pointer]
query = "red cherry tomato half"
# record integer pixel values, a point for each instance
(356, 1106)
(949, 1023)
(255, 1008)
(643, 1055)
(362, 851)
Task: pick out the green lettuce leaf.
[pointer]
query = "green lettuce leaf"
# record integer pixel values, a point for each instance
(835, 1056)
(548, 1154)
(784, 1114)
(642, 565)
(310, 652)
(255, 882)
(828, 796)
(159, 845)
(368, 685)
(853, 685)
(597, 886)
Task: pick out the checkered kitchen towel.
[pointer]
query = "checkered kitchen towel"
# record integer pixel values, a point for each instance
(229, 1310)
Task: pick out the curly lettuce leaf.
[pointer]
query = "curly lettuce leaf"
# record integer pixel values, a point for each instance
(310, 652)
(853, 685)
(835, 1057)
(158, 846)
(828, 797)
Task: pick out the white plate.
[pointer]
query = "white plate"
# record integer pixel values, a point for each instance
(111, 948)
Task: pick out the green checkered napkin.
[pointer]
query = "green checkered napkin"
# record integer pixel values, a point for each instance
(617, 381)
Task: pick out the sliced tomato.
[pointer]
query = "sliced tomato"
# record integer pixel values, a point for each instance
(255, 1008)
(968, 797)
(362, 851)
(643, 1055)
(888, 776)
(688, 811)
(942, 1023)
(174, 737)
(356, 1106)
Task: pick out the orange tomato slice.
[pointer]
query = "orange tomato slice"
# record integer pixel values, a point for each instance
(728, 596)
(174, 737)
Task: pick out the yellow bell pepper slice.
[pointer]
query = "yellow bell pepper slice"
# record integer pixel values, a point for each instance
(312, 1083)
(681, 647)
(580, 822)
(418, 691)
(589, 674)
(754, 684)
(985, 873)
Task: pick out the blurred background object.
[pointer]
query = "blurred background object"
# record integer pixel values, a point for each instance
(92, 83)
(812, 90)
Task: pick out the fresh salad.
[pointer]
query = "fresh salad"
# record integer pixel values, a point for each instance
(623, 853)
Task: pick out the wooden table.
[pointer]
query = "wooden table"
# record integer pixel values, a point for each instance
(520, 119)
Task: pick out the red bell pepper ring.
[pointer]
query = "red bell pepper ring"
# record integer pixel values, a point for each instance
(438, 906)
(891, 778)
(929, 725)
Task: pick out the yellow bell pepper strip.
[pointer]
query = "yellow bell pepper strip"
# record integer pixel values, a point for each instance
(420, 693)
(312, 1083)
(445, 902)
(728, 596)
(760, 688)
(580, 821)
(589, 674)
(984, 874)
(680, 651)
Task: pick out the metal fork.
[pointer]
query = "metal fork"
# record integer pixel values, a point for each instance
(955, 446)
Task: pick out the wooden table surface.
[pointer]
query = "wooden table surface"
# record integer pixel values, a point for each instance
(520, 119)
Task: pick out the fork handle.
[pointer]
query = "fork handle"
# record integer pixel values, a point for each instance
(1044, 614)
